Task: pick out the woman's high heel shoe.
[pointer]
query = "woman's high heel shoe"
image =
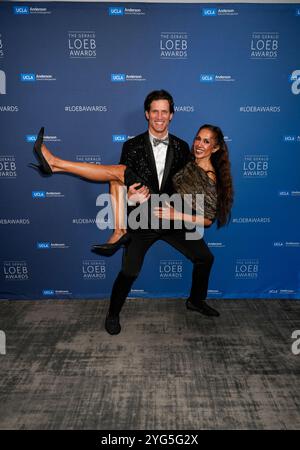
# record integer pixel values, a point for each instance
(43, 167)
(110, 249)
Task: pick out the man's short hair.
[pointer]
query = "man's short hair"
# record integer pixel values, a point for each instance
(159, 95)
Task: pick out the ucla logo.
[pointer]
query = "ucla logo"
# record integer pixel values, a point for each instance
(48, 292)
(43, 245)
(118, 77)
(115, 11)
(38, 194)
(278, 244)
(31, 137)
(207, 78)
(21, 9)
(289, 138)
(209, 12)
(119, 137)
(27, 77)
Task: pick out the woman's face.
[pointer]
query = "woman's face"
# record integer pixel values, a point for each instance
(204, 144)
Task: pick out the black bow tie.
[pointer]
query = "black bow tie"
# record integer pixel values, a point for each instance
(157, 141)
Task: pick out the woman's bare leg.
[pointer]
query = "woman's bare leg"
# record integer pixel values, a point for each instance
(118, 202)
(93, 172)
(114, 174)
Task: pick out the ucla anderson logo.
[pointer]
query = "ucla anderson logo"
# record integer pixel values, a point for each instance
(291, 139)
(207, 78)
(21, 9)
(122, 11)
(31, 137)
(118, 77)
(43, 245)
(27, 77)
(48, 292)
(122, 77)
(116, 11)
(56, 292)
(119, 138)
(38, 194)
(209, 12)
(213, 12)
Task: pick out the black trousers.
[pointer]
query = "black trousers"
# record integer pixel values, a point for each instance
(195, 250)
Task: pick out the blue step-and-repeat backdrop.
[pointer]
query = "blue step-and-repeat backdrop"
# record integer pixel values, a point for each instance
(82, 70)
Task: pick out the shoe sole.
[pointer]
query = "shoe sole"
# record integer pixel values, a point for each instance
(112, 334)
(109, 332)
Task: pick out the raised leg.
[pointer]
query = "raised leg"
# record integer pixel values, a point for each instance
(89, 171)
(114, 174)
(117, 192)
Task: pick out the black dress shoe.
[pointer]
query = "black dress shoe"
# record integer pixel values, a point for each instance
(43, 167)
(112, 324)
(202, 307)
(110, 249)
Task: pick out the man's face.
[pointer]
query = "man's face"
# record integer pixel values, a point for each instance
(159, 117)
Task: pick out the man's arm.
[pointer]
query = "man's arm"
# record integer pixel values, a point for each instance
(136, 190)
(124, 154)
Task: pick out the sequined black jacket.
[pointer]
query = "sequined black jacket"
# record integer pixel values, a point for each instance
(138, 156)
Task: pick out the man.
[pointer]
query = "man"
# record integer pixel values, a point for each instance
(156, 156)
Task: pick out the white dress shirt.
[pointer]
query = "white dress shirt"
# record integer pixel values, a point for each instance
(160, 153)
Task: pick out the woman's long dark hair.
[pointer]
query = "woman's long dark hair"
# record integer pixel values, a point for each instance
(221, 164)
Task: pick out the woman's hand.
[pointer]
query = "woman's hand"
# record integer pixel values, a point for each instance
(167, 212)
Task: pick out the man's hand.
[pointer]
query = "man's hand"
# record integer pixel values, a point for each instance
(138, 194)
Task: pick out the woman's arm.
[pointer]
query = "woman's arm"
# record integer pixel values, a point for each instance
(168, 212)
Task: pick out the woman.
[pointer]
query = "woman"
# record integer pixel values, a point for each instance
(207, 173)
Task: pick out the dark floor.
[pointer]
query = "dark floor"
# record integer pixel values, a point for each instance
(168, 369)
